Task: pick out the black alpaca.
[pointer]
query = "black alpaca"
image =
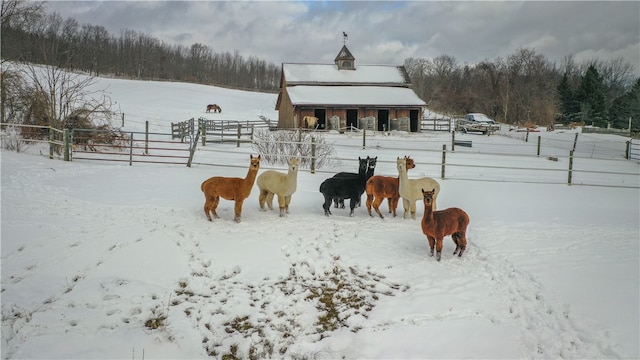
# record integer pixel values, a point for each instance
(337, 188)
(371, 167)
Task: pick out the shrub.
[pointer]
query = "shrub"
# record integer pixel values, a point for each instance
(277, 147)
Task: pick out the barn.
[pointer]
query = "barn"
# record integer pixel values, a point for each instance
(344, 95)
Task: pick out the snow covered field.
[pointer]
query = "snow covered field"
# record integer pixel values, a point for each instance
(103, 260)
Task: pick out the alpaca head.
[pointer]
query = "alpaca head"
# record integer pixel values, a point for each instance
(255, 162)
(372, 162)
(293, 164)
(401, 164)
(410, 163)
(428, 197)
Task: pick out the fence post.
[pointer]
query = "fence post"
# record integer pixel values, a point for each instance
(192, 149)
(526, 138)
(131, 150)
(539, 139)
(364, 138)
(453, 141)
(51, 139)
(65, 140)
(575, 141)
(444, 156)
(313, 155)
(570, 167)
(203, 129)
(146, 137)
(122, 119)
(628, 150)
(239, 132)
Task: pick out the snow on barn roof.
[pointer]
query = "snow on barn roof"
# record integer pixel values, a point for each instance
(329, 73)
(354, 95)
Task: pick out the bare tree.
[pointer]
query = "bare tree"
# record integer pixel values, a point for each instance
(65, 95)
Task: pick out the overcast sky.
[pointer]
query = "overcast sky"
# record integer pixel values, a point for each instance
(378, 32)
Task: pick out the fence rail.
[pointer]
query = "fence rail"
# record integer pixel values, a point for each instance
(479, 160)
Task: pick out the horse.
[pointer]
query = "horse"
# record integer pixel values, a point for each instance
(214, 107)
(273, 182)
(438, 224)
(230, 188)
(335, 188)
(411, 189)
(371, 167)
(310, 122)
(380, 187)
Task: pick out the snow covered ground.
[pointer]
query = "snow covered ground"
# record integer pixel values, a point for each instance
(103, 260)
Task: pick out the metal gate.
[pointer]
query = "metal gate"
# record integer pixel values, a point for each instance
(130, 147)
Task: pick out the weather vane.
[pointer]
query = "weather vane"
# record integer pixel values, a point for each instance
(344, 38)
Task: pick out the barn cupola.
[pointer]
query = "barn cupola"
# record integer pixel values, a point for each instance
(345, 60)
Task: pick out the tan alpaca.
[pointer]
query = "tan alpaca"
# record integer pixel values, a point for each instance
(272, 183)
(411, 189)
(230, 188)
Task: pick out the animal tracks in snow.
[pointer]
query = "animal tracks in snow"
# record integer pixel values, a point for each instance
(247, 319)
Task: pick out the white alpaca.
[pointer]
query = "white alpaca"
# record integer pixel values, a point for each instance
(273, 182)
(411, 189)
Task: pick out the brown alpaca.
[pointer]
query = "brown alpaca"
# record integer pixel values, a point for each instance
(381, 187)
(214, 107)
(230, 188)
(438, 224)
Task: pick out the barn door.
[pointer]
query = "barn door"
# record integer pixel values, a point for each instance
(383, 119)
(321, 114)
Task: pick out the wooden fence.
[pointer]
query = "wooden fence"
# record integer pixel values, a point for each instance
(29, 134)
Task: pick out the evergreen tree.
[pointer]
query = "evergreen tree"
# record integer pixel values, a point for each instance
(566, 97)
(591, 98)
(627, 107)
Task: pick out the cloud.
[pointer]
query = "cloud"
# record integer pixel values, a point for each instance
(379, 32)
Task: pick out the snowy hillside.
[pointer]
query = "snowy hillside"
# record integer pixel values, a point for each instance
(102, 260)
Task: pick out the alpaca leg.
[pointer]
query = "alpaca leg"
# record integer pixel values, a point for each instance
(213, 205)
(262, 199)
(455, 238)
(327, 205)
(438, 248)
(405, 204)
(270, 200)
(393, 205)
(352, 204)
(376, 206)
(413, 210)
(282, 203)
(432, 244)
(368, 203)
(462, 243)
(207, 206)
(238, 210)
(286, 203)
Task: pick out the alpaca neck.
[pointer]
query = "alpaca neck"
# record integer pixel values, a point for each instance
(403, 179)
(292, 177)
(428, 213)
(251, 176)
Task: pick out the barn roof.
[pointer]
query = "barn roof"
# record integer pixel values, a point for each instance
(329, 74)
(354, 96)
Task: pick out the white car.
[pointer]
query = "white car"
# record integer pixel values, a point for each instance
(479, 117)
(477, 122)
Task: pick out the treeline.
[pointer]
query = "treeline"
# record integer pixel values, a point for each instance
(526, 87)
(49, 39)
